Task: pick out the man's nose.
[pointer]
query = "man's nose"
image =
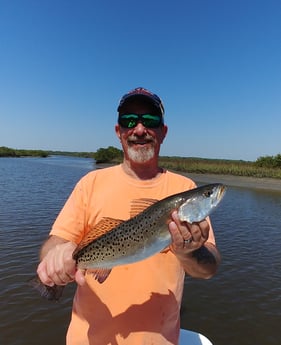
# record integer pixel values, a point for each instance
(140, 129)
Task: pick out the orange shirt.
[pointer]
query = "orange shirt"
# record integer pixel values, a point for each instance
(138, 303)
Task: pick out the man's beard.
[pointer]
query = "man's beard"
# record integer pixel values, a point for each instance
(141, 154)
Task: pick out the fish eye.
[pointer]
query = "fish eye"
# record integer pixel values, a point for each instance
(208, 193)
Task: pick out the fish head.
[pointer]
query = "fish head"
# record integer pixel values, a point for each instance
(201, 202)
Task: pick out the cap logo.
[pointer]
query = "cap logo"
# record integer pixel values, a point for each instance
(144, 92)
(141, 91)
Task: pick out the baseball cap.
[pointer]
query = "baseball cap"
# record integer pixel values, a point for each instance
(140, 92)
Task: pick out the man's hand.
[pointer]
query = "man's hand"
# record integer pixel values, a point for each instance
(191, 244)
(186, 237)
(57, 266)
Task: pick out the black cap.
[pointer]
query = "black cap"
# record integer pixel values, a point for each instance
(140, 92)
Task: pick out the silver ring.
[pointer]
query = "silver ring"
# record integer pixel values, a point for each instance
(187, 241)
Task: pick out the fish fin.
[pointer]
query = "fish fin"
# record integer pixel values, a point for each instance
(51, 293)
(100, 274)
(102, 227)
(139, 205)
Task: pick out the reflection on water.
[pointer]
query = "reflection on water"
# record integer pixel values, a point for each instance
(241, 305)
(243, 302)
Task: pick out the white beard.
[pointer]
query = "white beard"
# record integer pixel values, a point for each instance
(141, 155)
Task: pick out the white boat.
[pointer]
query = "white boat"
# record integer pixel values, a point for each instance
(192, 338)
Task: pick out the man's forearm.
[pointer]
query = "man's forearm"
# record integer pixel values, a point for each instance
(201, 263)
(50, 243)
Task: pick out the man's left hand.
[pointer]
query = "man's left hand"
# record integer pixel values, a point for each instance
(187, 237)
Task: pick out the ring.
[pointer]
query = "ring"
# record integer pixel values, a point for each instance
(187, 241)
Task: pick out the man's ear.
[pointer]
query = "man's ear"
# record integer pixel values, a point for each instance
(164, 132)
(117, 131)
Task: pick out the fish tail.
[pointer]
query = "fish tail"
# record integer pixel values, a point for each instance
(51, 293)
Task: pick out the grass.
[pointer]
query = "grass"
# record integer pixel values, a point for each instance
(269, 167)
(217, 166)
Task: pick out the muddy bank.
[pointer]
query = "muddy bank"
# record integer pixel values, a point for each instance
(238, 181)
(229, 180)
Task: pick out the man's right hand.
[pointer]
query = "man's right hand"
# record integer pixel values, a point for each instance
(57, 266)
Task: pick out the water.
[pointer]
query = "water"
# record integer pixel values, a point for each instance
(241, 305)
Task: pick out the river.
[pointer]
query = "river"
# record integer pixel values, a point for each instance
(241, 305)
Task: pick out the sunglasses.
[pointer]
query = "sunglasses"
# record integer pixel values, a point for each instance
(147, 120)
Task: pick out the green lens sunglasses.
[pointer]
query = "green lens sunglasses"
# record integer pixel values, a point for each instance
(147, 120)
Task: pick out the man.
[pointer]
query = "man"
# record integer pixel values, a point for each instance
(138, 303)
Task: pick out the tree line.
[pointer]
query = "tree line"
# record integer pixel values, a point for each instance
(8, 152)
(113, 155)
(269, 161)
(102, 155)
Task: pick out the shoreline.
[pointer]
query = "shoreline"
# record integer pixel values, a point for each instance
(261, 183)
(269, 184)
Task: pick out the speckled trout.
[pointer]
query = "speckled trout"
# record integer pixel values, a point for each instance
(112, 242)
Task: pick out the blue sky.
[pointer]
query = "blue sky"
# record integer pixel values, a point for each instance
(216, 64)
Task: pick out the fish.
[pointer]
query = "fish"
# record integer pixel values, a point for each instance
(114, 242)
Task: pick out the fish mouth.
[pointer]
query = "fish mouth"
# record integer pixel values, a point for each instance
(222, 191)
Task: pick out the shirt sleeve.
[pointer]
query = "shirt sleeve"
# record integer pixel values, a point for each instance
(71, 221)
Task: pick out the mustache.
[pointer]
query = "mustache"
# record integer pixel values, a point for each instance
(137, 137)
